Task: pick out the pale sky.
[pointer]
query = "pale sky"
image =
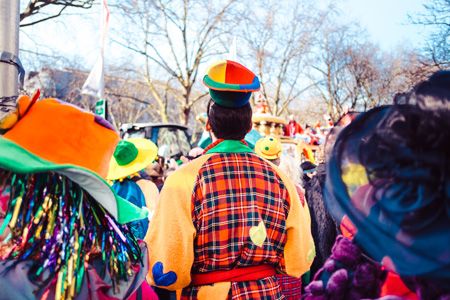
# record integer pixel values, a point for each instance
(386, 22)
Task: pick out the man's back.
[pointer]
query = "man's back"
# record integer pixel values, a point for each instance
(233, 194)
(240, 205)
(220, 217)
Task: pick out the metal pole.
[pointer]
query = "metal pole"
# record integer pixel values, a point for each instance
(9, 42)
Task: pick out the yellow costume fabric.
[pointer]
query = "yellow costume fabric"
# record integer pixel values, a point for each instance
(173, 230)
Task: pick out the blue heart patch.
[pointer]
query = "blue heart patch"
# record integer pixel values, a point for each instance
(161, 278)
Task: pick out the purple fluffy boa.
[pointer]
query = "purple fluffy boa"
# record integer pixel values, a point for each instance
(346, 274)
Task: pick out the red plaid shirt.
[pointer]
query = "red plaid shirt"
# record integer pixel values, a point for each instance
(233, 193)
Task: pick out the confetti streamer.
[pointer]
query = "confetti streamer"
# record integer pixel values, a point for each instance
(58, 226)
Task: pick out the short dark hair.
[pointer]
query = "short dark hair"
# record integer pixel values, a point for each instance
(229, 123)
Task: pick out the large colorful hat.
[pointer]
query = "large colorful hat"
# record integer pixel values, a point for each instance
(230, 83)
(269, 148)
(131, 156)
(51, 135)
(387, 182)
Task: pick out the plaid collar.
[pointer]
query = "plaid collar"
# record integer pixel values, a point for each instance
(228, 146)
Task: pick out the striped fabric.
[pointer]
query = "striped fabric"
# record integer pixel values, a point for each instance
(233, 193)
(291, 287)
(264, 289)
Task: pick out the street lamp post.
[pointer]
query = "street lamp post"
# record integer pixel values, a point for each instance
(9, 50)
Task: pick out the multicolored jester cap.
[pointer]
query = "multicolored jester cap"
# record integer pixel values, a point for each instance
(230, 83)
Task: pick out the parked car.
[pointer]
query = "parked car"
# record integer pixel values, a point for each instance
(172, 140)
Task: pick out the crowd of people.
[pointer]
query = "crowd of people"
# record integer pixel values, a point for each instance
(86, 215)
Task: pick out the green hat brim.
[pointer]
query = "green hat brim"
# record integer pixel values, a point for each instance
(18, 160)
(230, 99)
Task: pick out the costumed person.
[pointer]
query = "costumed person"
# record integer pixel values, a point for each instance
(228, 221)
(261, 105)
(130, 157)
(314, 138)
(156, 172)
(309, 171)
(270, 148)
(292, 128)
(388, 184)
(318, 126)
(323, 227)
(306, 151)
(328, 120)
(64, 223)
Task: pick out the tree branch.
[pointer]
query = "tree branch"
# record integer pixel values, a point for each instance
(34, 7)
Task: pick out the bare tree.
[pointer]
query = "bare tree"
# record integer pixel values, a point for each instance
(366, 84)
(351, 72)
(281, 43)
(310, 111)
(406, 69)
(43, 10)
(355, 74)
(175, 38)
(329, 66)
(437, 16)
